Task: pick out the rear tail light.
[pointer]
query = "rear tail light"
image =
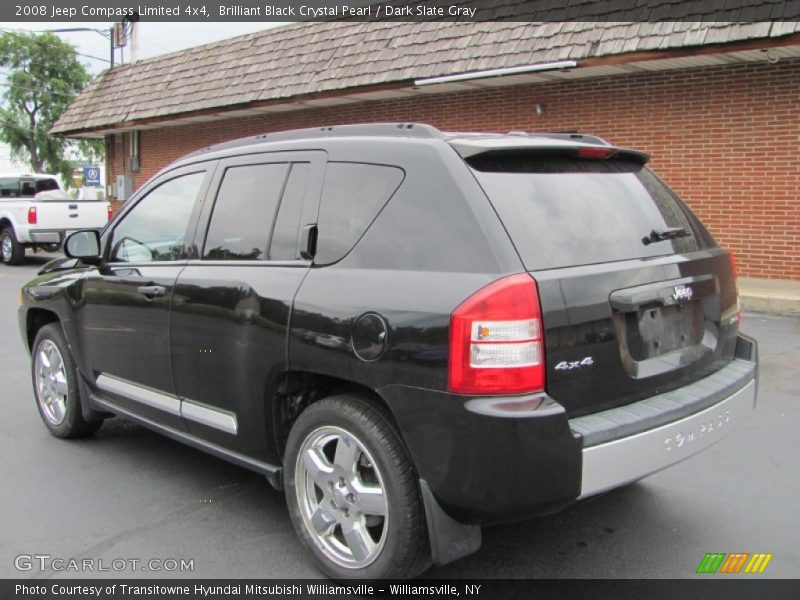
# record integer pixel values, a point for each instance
(32, 218)
(496, 344)
(110, 212)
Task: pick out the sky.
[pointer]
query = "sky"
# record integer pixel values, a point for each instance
(154, 39)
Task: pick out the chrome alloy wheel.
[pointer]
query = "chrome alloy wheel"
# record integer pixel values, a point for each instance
(341, 497)
(51, 382)
(6, 246)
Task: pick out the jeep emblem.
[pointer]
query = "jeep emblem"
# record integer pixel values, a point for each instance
(682, 293)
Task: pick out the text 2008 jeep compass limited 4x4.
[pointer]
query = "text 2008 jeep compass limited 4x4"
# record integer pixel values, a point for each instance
(412, 333)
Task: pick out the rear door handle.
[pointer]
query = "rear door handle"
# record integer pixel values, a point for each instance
(152, 291)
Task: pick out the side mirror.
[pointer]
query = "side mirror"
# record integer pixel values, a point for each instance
(83, 245)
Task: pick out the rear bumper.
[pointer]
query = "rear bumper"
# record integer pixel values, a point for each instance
(46, 237)
(492, 460)
(627, 443)
(610, 465)
(51, 236)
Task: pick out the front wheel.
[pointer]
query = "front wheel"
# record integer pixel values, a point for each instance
(353, 494)
(11, 251)
(55, 385)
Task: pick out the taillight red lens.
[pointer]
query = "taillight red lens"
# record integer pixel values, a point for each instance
(496, 344)
(32, 218)
(591, 152)
(110, 212)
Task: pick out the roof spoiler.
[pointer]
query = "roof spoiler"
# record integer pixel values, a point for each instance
(589, 147)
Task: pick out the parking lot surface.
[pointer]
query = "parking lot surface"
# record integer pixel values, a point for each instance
(127, 493)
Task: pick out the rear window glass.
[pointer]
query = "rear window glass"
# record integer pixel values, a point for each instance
(352, 197)
(46, 185)
(14, 187)
(562, 211)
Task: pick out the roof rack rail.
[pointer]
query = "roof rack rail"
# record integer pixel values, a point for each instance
(409, 130)
(415, 130)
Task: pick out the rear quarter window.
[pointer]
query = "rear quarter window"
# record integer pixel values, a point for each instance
(352, 196)
(564, 211)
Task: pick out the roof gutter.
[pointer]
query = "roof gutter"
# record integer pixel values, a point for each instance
(551, 66)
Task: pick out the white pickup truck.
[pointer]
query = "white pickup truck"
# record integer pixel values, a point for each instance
(36, 213)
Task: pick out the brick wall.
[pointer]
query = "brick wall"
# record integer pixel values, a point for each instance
(727, 139)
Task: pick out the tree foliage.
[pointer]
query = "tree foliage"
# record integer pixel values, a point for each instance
(43, 76)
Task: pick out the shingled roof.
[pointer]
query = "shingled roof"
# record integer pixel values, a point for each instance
(325, 60)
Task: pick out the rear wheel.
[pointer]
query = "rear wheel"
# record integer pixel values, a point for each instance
(55, 385)
(353, 494)
(11, 251)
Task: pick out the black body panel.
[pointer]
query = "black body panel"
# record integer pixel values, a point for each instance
(124, 333)
(228, 345)
(488, 469)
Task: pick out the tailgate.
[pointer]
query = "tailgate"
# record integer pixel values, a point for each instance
(620, 332)
(71, 214)
(637, 298)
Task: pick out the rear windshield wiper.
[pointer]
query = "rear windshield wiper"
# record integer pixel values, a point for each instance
(670, 233)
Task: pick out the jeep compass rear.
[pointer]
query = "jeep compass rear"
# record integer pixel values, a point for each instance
(412, 333)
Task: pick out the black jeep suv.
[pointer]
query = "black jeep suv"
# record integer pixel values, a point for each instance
(412, 333)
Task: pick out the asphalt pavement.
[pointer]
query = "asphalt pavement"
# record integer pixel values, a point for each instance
(128, 494)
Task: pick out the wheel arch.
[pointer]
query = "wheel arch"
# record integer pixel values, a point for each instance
(297, 390)
(35, 319)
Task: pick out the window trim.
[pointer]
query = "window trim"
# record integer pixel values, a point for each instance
(309, 210)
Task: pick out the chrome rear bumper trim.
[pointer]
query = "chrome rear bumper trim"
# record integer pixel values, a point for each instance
(610, 465)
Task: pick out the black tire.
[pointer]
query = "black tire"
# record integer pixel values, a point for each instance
(404, 550)
(12, 252)
(66, 421)
(54, 247)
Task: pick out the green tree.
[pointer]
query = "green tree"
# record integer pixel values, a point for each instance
(43, 77)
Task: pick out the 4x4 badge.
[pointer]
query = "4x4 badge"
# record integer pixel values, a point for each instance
(574, 364)
(682, 293)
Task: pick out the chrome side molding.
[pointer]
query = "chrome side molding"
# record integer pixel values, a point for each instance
(213, 417)
(188, 409)
(139, 393)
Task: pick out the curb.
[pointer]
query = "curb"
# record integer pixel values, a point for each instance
(774, 296)
(770, 304)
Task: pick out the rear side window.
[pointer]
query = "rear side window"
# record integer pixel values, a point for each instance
(352, 196)
(14, 187)
(46, 185)
(563, 211)
(244, 211)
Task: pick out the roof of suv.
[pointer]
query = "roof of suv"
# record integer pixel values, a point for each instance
(465, 143)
